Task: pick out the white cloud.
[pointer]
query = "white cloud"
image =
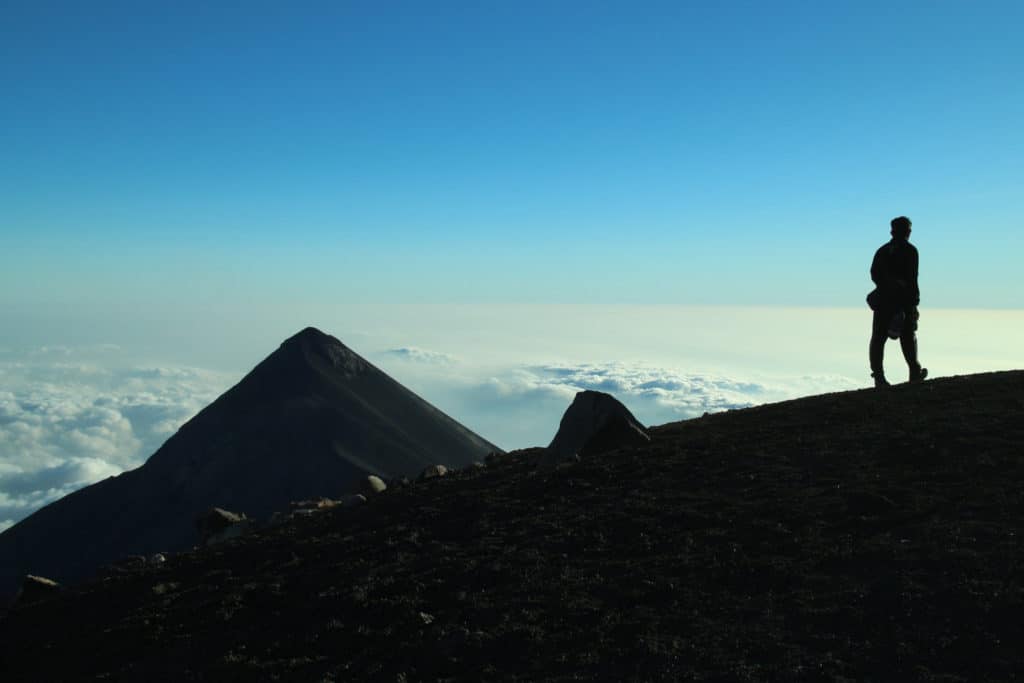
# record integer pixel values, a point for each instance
(522, 406)
(659, 393)
(418, 355)
(67, 424)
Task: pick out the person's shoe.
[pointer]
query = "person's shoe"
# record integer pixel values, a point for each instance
(918, 375)
(880, 381)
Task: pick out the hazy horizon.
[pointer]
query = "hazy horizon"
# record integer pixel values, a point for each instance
(76, 412)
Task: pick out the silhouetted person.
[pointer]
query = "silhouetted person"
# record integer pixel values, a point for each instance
(895, 301)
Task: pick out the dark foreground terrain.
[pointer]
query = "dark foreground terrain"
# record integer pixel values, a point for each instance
(859, 536)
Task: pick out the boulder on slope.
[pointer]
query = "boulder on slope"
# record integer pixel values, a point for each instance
(595, 422)
(217, 524)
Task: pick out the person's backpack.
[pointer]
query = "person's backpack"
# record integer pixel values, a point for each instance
(874, 299)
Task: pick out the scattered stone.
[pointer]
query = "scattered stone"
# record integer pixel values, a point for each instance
(126, 565)
(530, 456)
(307, 508)
(315, 504)
(596, 422)
(568, 462)
(278, 518)
(36, 588)
(433, 472)
(165, 588)
(217, 525)
(131, 562)
(373, 485)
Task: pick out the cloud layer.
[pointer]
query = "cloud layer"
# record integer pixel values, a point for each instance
(67, 420)
(70, 416)
(418, 355)
(522, 406)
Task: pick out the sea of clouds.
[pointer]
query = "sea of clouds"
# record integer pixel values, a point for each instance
(520, 406)
(72, 416)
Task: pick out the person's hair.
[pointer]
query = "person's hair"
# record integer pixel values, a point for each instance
(900, 226)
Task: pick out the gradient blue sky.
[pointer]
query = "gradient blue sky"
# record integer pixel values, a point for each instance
(451, 152)
(485, 199)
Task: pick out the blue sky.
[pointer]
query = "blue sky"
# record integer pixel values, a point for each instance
(741, 153)
(498, 203)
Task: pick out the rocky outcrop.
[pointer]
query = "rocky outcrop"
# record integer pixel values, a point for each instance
(217, 525)
(595, 423)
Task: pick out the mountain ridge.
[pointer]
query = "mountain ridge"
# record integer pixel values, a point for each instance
(863, 535)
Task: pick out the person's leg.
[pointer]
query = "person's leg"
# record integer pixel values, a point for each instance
(876, 349)
(908, 342)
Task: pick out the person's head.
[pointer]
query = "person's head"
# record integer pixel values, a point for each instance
(900, 227)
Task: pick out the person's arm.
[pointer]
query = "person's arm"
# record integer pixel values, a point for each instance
(877, 273)
(913, 265)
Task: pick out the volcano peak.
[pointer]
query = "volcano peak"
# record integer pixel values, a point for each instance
(311, 343)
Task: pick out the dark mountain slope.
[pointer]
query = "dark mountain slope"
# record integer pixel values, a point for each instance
(869, 535)
(308, 421)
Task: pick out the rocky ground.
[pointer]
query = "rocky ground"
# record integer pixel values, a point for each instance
(871, 535)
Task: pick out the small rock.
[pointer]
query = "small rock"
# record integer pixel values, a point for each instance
(131, 562)
(36, 588)
(314, 504)
(157, 558)
(568, 462)
(433, 472)
(373, 485)
(353, 500)
(164, 588)
(427, 619)
(217, 525)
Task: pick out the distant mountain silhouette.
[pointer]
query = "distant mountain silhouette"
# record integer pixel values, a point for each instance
(310, 420)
